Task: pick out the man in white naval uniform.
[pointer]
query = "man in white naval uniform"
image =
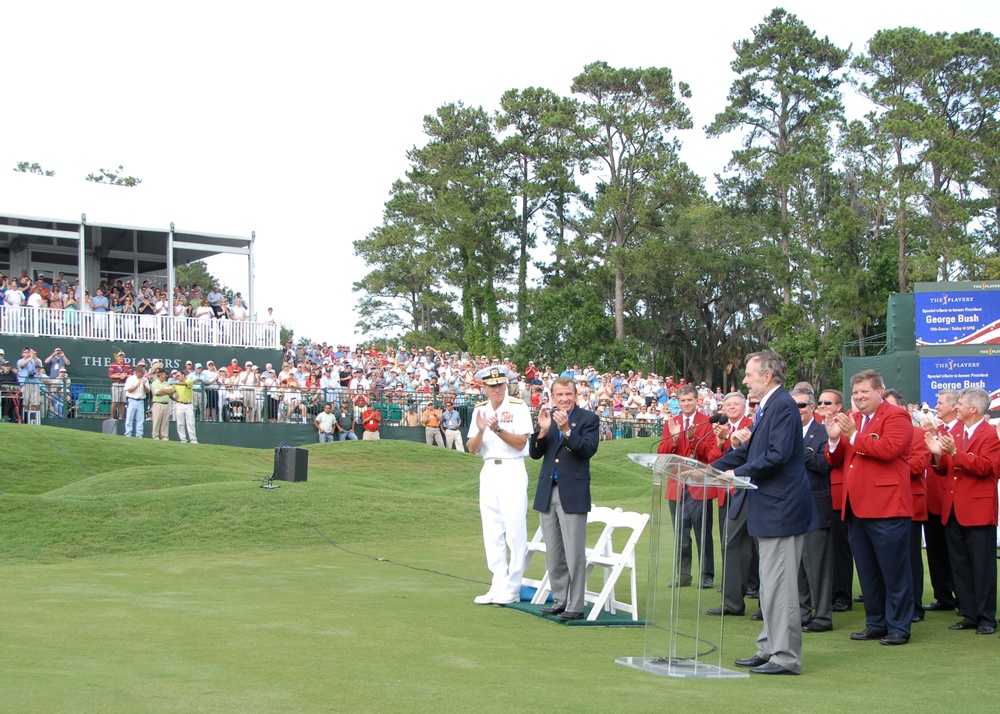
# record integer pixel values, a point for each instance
(499, 432)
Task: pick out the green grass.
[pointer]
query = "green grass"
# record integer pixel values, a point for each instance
(159, 577)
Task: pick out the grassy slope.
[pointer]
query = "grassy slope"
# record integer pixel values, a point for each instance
(143, 576)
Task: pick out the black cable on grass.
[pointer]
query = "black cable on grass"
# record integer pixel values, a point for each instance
(376, 558)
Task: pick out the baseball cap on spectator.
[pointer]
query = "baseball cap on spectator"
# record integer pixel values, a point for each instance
(197, 365)
(248, 363)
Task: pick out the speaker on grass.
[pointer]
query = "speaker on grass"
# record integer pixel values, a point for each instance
(290, 464)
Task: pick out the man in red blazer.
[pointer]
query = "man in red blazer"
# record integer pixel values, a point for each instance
(968, 462)
(938, 563)
(874, 446)
(689, 434)
(737, 545)
(920, 461)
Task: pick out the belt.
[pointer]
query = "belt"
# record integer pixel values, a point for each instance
(498, 462)
(137, 399)
(180, 402)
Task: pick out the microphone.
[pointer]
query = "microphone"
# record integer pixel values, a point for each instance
(714, 419)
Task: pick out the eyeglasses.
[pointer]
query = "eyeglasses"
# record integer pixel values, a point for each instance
(803, 405)
(753, 404)
(826, 403)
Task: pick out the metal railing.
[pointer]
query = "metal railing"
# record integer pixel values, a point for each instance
(88, 325)
(92, 399)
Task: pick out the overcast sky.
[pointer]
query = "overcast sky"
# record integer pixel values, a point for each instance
(293, 119)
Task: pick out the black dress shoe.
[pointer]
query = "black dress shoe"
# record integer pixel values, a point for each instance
(917, 618)
(894, 640)
(707, 583)
(752, 593)
(859, 598)
(934, 606)
(771, 668)
(552, 610)
(868, 634)
(812, 627)
(965, 624)
(985, 630)
(754, 661)
(566, 616)
(717, 611)
(842, 606)
(758, 616)
(680, 583)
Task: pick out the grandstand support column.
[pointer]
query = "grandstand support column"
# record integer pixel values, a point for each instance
(252, 302)
(81, 260)
(170, 268)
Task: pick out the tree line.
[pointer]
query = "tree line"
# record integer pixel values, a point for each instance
(816, 218)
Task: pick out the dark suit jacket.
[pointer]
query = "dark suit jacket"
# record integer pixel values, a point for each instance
(570, 458)
(774, 461)
(818, 471)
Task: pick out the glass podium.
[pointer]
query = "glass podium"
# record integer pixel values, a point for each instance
(677, 642)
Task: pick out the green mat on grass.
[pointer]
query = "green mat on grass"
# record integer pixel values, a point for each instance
(605, 619)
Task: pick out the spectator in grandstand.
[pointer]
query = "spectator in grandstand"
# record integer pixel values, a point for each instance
(56, 362)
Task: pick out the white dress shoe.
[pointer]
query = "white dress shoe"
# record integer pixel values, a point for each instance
(486, 599)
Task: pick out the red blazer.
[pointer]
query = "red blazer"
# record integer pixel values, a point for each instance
(745, 422)
(970, 478)
(937, 486)
(877, 466)
(708, 451)
(920, 461)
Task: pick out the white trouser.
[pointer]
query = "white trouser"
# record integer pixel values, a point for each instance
(503, 505)
(184, 418)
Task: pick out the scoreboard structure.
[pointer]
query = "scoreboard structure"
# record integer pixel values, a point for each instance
(957, 330)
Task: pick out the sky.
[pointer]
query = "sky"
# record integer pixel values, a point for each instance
(292, 120)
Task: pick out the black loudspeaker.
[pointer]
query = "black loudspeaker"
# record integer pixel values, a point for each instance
(291, 464)
(109, 426)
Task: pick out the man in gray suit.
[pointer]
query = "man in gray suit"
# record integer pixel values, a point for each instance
(816, 573)
(780, 511)
(566, 438)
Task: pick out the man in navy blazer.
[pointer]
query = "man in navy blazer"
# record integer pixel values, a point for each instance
(780, 511)
(566, 438)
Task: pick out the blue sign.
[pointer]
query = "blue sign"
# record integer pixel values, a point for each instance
(958, 373)
(957, 318)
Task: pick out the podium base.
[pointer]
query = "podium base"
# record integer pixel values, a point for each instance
(681, 667)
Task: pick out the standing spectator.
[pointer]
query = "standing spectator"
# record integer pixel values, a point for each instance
(938, 563)
(214, 300)
(210, 380)
(831, 403)
(345, 422)
(56, 362)
(118, 373)
(499, 431)
(135, 388)
(325, 422)
(162, 393)
(29, 371)
(430, 419)
(371, 419)
(10, 392)
(451, 420)
(874, 445)
(183, 387)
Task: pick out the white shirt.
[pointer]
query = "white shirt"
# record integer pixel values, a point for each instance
(514, 417)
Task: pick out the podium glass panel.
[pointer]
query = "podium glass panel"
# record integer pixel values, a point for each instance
(677, 642)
